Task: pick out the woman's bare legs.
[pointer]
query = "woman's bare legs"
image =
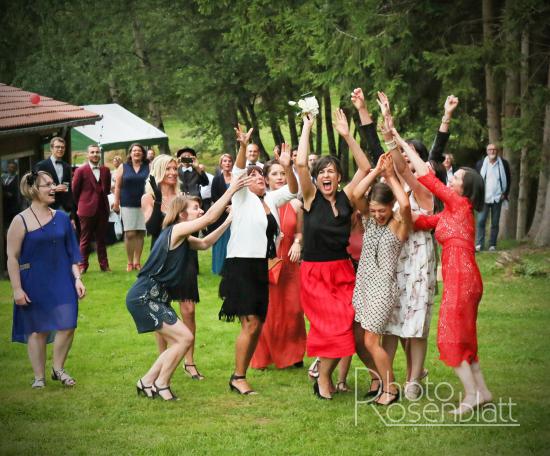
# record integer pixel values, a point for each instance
(326, 368)
(61, 346)
(343, 369)
(187, 309)
(251, 327)
(36, 348)
(364, 355)
(485, 394)
(179, 339)
(129, 242)
(138, 246)
(383, 366)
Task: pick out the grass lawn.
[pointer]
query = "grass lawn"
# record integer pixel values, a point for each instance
(102, 414)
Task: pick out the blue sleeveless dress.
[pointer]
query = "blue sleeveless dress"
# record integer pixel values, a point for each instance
(158, 282)
(46, 259)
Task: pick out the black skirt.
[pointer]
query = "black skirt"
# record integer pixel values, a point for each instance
(188, 289)
(244, 288)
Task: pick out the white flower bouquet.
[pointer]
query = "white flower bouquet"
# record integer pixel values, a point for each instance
(307, 105)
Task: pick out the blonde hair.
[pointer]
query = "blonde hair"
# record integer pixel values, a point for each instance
(29, 184)
(158, 171)
(176, 207)
(223, 156)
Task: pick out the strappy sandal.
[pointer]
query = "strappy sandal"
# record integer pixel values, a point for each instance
(313, 370)
(129, 267)
(395, 398)
(39, 383)
(62, 376)
(156, 392)
(142, 390)
(137, 267)
(342, 387)
(197, 376)
(376, 392)
(232, 387)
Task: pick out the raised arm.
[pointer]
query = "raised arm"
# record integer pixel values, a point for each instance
(406, 223)
(307, 186)
(184, 229)
(442, 136)
(358, 195)
(242, 138)
(286, 162)
(367, 126)
(342, 127)
(207, 241)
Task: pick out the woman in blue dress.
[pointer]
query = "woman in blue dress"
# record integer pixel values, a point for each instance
(43, 257)
(220, 184)
(148, 301)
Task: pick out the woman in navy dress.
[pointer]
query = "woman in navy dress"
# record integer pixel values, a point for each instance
(220, 184)
(148, 301)
(43, 257)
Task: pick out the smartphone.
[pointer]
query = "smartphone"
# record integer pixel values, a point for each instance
(187, 160)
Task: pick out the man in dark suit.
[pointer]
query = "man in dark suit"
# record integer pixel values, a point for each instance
(61, 175)
(10, 193)
(91, 185)
(190, 172)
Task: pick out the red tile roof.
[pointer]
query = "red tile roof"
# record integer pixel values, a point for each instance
(18, 112)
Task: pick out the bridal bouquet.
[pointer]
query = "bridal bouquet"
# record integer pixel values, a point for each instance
(307, 105)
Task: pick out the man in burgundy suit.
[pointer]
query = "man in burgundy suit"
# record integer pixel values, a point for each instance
(91, 185)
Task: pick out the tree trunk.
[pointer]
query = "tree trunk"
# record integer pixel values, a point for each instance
(328, 122)
(523, 173)
(145, 64)
(319, 130)
(113, 91)
(491, 97)
(291, 117)
(542, 234)
(256, 133)
(244, 116)
(227, 119)
(508, 218)
(343, 148)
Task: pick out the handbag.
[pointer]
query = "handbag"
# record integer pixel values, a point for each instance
(274, 266)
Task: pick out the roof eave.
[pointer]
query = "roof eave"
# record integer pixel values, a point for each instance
(50, 126)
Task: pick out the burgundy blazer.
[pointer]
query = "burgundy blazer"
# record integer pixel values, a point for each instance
(90, 196)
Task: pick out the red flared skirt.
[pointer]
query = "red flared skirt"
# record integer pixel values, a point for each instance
(326, 292)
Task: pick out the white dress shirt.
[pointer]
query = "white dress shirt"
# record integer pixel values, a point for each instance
(95, 170)
(58, 168)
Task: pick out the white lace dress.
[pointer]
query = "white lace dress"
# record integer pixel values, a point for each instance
(416, 280)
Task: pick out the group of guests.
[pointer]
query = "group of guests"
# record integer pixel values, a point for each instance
(281, 234)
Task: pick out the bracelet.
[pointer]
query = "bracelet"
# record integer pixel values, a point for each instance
(391, 144)
(297, 241)
(446, 120)
(77, 277)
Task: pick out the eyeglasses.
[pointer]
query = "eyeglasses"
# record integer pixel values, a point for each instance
(51, 184)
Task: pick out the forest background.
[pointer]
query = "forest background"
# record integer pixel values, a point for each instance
(212, 64)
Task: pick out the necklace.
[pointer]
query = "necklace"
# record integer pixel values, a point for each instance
(33, 213)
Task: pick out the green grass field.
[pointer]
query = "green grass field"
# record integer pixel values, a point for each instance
(102, 414)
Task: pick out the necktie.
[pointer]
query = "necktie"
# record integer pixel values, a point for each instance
(58, 162)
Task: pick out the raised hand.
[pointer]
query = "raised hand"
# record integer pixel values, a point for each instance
(308, 120)
(276, 152)
(450, 105)
(341, 123)
(284, 157)
(381, 164)
(155, 188)
(387, 169)
(242, 181)
(358, 99)
(398, 139)
(384, 104)
(243, 137)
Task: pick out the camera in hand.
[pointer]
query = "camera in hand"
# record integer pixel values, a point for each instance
(187, 160)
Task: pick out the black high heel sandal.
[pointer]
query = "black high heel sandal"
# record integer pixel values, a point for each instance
(376, 392)
(142, 390)
(318, 393)
(197, 376)
(237, 390)
(155, 390)
(395, 398)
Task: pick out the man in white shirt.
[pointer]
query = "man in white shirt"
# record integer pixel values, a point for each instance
(448, 162)
(495, 172)
(252, 155)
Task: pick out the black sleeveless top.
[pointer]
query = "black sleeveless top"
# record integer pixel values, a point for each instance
(271, 232)
(326, 237)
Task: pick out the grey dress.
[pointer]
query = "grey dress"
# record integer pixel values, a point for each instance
(375, 293)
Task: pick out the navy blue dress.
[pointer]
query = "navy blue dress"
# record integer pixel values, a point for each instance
(148, 301)
(47, 256)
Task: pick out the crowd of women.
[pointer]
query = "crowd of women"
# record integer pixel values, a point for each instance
(358, 260)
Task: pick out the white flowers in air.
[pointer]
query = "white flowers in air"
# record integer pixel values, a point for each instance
(307, 105)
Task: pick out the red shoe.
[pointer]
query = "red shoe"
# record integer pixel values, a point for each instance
(137, 266)
(129, 267)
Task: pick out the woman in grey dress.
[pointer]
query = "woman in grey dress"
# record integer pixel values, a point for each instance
(375, 291)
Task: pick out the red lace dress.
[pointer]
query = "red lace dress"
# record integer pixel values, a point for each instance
(462, 285)
(283, 337)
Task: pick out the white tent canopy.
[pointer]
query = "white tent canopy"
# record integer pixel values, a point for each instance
(116, 130)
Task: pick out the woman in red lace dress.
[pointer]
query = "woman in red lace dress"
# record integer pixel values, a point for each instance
(462, 284)
(283, 338)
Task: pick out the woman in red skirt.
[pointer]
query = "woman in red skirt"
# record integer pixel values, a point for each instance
(462, 284)
(283, 338)
(326, 274)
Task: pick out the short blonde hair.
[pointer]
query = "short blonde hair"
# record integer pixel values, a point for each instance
(158, 171)
(29, 184)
